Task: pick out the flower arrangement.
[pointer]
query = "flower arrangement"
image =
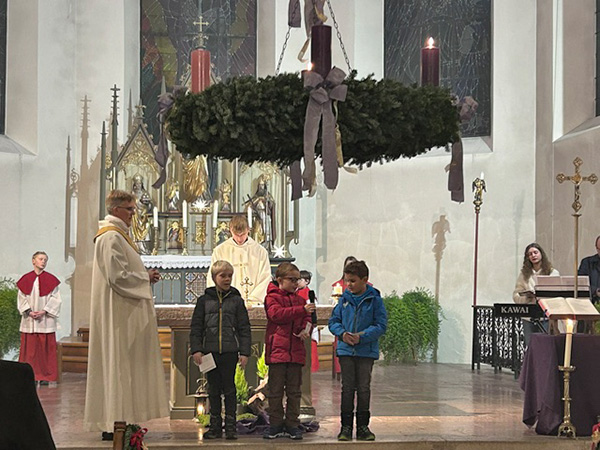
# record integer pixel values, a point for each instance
(263, 120)
(134, 437)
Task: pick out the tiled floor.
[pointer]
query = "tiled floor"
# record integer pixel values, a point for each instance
(429, 406)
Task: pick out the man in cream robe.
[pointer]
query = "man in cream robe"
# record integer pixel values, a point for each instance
(125, 377)
(249, 260)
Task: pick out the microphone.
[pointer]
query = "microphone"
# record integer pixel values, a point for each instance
(312, 298)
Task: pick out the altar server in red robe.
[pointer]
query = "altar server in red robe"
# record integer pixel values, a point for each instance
(39, 304)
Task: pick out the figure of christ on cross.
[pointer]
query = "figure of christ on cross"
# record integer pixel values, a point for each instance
(250, 261)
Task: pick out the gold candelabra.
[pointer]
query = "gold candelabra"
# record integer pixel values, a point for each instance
(155, 249)
(566, 428)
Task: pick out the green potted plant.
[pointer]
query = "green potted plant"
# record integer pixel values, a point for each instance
(241, 389)
(413, 326)
(11, 319)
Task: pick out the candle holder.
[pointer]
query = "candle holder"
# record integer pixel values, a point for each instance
(184, 252)
(566, 428)
(155, 249)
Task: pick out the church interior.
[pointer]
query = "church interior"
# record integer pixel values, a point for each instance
(83, 85)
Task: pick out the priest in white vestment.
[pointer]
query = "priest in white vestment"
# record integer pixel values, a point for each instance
(250, 261)
(125, 376)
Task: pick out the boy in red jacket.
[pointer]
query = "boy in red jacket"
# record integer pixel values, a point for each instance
(288, 324)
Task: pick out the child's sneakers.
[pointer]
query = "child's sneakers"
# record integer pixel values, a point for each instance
(273, 432)
(363, 434)
(345, 433)
(294, 433)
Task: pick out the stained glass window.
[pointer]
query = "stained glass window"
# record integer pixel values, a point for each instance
(169, 34)
(462, 29)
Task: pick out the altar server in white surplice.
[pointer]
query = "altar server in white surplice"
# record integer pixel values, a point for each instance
(250, 261)
(125, 377)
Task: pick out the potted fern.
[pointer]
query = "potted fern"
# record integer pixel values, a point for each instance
(241, 389)
(413, 326)
(11, 319)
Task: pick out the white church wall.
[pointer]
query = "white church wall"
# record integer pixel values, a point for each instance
(74, 54)
(385, 214)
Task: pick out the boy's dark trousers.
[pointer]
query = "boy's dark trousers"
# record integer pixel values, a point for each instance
(356, 377)
(288, 377)
(221, 381)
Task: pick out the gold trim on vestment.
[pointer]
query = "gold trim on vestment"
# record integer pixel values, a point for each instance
(103, 230)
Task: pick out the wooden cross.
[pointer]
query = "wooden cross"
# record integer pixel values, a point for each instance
(246, 283)
(201, 34)
(577, 179)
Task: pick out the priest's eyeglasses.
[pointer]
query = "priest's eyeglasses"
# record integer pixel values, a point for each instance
(292, 279)
(131, 209)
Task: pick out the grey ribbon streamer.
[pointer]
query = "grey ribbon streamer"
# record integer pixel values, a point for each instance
(165, 103)
(319, 110)
(456, 184)
(294, 14)
(296, 178)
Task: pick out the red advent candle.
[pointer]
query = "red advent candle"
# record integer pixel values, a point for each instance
(320, 49)
(200, 70)
(430, 64)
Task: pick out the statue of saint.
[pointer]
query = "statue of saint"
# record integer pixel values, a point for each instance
(173, 195)
(225, 189)
(141, 224)
(195, 179)
(262, 204)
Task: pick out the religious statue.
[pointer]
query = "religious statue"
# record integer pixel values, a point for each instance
(141, 224)
(263, 213)
(478, 187)
(225, 190)
(175, 236)
(195, 179)
(173, 195)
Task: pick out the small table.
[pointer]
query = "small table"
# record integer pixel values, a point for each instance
(542, 383)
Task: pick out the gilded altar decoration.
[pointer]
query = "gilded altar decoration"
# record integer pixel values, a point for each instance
(262, 205)
(200, 234)
(140, 225)
(175, 235)
(222, 233)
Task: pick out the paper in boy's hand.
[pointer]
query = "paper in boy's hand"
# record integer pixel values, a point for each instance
(208, 363)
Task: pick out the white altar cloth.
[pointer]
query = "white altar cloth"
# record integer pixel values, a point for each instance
(176, 262)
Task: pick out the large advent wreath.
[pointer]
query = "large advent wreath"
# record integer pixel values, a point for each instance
(263, 120)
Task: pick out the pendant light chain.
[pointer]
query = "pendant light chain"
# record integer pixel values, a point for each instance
(287, 38)
(339, 36)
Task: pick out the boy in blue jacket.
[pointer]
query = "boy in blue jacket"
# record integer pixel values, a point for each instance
(358, 320)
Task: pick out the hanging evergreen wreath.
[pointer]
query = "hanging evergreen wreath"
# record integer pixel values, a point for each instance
(263, 120)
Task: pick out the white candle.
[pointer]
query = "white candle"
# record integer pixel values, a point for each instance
(337, 289)
(155, 217)
(481, 176)
(215, 213)
(568, 343)
(249, 217)
(184, 214)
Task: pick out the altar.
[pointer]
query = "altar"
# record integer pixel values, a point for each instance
(185, 376)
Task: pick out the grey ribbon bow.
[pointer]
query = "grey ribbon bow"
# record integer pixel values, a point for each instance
(165, 103)
(322, 92)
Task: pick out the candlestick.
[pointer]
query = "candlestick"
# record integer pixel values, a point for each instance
(155, 249)
(185, 213)
(155, 217)
(249, 217)
(184, 252)
(568, 343)
(430, 64)
(215, 213)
